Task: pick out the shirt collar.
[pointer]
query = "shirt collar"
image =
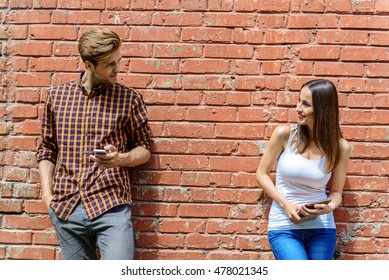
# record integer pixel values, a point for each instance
(96, 90)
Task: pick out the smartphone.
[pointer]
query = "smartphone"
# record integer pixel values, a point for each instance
(100, 151)
(312, 205)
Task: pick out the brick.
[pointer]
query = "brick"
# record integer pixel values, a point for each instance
(15, 174)
(229, 20)
(45, 4)
(135, 80)
(69, 4)
(20, 4)
(154, 66)
(16, 32)
(227, 98)
(205, 179)
(381, 6)
(362, 7)
(176, 254)
(162, 34)
(381, 101)
(312, 21)
(379, 39)
(220, 5)
(10, 206)
(203, 210)
(15, 237)
(75, 17)
(194, 5)
(148, 193)
(31, 48)
(50, 64)
(29, 17)
(142, 4)
(50, 32)
(177, 19)
(233, 164)
(127, 18)
(26, 222)
(272, 6)
(31, 253)
(158, 97)
(182, 226)
(228, 51)
(212, 114)
(320, 53)
(206, 241)
(191, 82)
(246, 5)
(287, 36)
(179, 50)
(93, 5)
(313, 6)
(22, 111)
(192, 97)
(164, 113)
(167, 4)
(204, 66)
(65, 49)
(338, 69)
(23, 190)
(153, 177)
(206, 34)
(166, 82)
(21, 143)
(160, 241)
(344, 37)
(136, 50)
(253, 36)
(212, 147)
(364, 54)
(271, 53)
(253, 242)
(45, 238)
(178, 162)
(272, 21)
(155, 209)
(360, 101)
(337, 6)
(35, 207)
(364, 22)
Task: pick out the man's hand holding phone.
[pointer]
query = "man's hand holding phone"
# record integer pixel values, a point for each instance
(107, 157)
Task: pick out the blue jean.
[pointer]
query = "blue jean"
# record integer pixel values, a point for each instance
(112, 231)
(303, 244)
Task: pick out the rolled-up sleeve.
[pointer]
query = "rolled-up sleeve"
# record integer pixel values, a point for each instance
(48, 149)
(139, 124)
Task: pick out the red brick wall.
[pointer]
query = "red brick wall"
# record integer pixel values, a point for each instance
(217, 77)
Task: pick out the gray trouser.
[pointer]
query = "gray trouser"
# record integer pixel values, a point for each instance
(112, 231)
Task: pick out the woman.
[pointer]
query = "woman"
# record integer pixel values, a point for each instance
(312, 158)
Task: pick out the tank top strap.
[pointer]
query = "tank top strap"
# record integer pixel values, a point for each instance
(293, 131)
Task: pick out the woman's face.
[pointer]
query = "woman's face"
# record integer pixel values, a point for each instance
(305, 108)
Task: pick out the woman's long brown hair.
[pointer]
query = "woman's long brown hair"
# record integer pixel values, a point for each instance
(326, 131)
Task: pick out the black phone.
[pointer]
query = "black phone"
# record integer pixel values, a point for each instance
(312, 205)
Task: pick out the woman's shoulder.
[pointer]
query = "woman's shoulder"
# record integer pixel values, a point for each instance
(345, 146)
(282, 132)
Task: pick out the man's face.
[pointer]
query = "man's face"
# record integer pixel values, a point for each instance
(107, 69)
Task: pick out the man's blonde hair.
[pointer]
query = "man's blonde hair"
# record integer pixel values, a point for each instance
(98, 43)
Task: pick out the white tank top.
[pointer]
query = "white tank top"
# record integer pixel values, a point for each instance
(300, 181)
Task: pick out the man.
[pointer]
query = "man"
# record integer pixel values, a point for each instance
(88, 193)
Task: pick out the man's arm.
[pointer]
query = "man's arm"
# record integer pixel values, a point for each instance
(46, 171)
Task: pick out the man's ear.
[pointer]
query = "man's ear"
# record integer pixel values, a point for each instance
(89, 65)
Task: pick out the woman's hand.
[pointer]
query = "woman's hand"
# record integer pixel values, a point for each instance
(319, 209)
(293, 213)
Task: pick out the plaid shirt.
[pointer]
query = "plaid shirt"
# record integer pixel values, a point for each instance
(74, 123)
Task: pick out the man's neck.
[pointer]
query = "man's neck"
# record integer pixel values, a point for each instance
(87, 81)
